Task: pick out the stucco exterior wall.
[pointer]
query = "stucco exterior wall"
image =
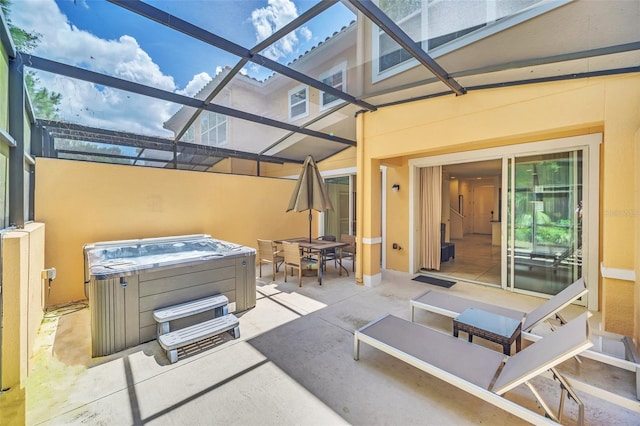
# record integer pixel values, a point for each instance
(84, 202)
(22, 298)
(341, 161)
(507, 116)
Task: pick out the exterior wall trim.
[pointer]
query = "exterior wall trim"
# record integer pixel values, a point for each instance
(617, 273)
(372, 280)
(371, 241)
(7, 138)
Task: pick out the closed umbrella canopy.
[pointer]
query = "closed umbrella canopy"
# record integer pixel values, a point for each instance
(310, 192)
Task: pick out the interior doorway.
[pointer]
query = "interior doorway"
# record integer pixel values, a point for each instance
(472, 220)
(470, 216)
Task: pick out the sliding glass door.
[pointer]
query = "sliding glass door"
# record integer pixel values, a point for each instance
(544, 227)
(341, 220)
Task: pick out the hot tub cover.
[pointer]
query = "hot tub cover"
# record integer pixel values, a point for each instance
(122, 258)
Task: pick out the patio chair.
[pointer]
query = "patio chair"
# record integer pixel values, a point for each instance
(294, 259)
(350, 250)
(451, 306)
(481, 371)
(328, 254)
(268, 253)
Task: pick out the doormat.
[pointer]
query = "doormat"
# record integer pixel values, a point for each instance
(434, 281)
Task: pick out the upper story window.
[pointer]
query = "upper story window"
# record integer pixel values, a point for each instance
(336, 77)
(407, 14)
(213, 128)
(298, 102)
(189, 135)
(443, 26)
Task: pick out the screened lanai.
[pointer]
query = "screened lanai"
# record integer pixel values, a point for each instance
(194, 116)
(281, 89)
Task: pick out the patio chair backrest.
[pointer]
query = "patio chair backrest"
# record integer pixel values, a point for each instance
(292, 256)
(554, 348)
(266, 249)
(351, 240)
(555, 304)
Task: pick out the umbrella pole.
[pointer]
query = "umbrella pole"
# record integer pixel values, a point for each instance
(310, 218)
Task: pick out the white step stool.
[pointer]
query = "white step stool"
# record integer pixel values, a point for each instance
(182, 310)
(185, 336)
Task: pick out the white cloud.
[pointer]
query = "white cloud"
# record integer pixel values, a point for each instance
(123, 58)
(269, 19)
(306, 33)
(197, 83)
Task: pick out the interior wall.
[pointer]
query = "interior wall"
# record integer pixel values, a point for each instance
(527, 113)
(467, 205)
(83, 202)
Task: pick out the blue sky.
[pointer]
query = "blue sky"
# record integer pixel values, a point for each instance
(104, 37)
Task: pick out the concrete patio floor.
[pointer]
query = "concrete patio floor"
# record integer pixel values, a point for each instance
(293, 364)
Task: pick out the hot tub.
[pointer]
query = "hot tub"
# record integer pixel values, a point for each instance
(126, 280)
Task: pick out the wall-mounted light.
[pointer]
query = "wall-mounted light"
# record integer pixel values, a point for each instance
(396, 187)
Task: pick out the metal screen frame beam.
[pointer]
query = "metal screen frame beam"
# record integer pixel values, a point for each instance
(305, 17)
(71, 131)
(17, 96)
(130, 86)
(375, 15)
(205, 36)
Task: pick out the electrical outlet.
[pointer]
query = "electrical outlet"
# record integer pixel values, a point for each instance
(49, 274)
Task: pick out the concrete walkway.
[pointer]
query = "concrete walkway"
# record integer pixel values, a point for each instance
(293, 365)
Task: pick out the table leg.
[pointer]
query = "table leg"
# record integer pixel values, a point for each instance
(506, 348)
(519, 343)
(470, 337)
(320, 268)
(455, 330)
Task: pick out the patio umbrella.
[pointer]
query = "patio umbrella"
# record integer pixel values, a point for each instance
(310, 192)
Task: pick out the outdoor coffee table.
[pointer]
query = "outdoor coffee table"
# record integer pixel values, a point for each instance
(493, 327)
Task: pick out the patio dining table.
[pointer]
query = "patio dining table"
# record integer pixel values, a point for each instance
(321, 248)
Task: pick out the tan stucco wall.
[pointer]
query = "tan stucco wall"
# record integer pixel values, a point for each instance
(397, 218)
(513, 115)
(345, 159)
(84, 202)
(22, 298)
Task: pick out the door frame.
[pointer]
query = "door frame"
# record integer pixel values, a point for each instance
(349, 172)
(589, 143)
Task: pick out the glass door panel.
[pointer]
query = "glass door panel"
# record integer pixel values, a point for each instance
(544, 244)
(336, 222)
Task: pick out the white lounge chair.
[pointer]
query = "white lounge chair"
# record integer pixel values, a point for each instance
(449, 305)
(478, 370)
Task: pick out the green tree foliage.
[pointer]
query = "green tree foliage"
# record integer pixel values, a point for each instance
(91, 151)
(45, 102)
